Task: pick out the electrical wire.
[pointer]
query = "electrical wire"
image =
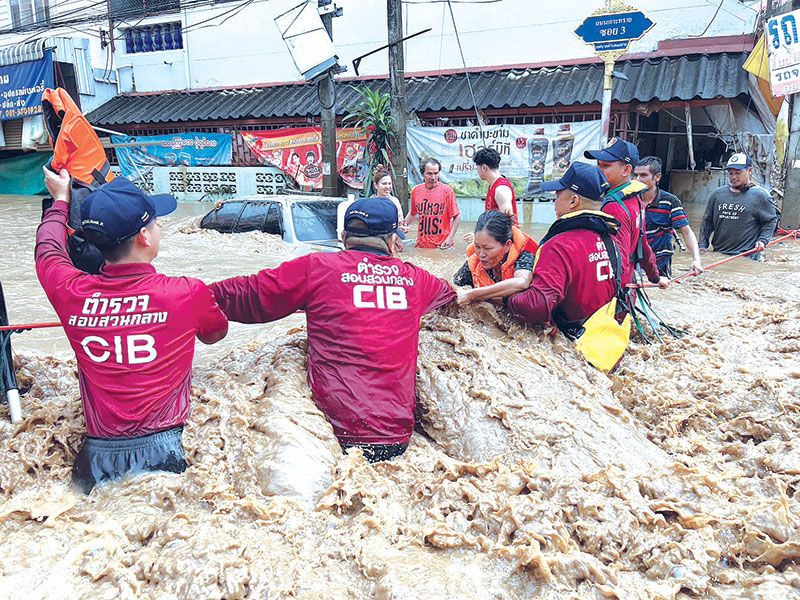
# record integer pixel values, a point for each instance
(466, 73)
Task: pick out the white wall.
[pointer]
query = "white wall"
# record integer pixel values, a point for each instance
(247, 49)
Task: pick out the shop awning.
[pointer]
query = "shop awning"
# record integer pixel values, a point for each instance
(666, 78)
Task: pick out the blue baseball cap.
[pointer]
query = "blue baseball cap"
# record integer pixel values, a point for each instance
(118, 209)
(380, 215)
(615, 150)
(585, 180)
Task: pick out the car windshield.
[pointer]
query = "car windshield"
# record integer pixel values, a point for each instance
(314, 221)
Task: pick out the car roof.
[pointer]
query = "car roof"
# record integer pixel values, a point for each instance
(285, 198)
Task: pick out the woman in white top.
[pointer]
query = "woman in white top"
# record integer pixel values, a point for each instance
(382, 187)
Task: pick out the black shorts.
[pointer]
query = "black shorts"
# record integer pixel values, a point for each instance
(378, 452)
(107, 459)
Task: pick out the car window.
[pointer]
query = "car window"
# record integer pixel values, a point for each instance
(224, 218)
(274, 222)
(314, 220)
(252, 217)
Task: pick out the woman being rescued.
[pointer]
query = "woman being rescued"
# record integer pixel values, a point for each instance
(499, 261)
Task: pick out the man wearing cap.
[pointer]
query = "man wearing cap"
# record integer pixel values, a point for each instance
(363, 307)
(624, 202)
(739, 216)
(574, 272)
(131, 328)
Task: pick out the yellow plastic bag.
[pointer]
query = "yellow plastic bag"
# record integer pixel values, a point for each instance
(604, 340)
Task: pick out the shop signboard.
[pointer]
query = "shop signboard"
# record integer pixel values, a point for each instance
(21, 87)
(783, 46)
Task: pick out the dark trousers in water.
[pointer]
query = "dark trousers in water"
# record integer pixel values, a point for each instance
(107, 459)
(378, 452)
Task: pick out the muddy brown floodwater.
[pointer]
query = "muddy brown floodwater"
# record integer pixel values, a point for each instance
(676, 477)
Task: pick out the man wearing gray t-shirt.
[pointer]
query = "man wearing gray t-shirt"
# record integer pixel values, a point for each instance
(739, 216)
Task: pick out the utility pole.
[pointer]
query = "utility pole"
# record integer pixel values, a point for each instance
(327, 96)
(790, 210)
(397, 85)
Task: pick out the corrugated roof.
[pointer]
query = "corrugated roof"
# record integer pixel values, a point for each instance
(701, 76)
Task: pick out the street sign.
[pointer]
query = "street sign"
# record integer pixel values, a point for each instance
(613, 31)
(784, 53)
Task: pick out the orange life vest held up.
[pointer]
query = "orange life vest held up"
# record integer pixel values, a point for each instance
(520, 242)
(76, 146)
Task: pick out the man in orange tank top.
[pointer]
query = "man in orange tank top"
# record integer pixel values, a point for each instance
(500, 196)
(435, 204)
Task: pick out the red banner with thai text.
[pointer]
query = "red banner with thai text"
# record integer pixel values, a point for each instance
(298, 153)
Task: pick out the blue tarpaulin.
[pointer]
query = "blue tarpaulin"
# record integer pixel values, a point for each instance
(190, 148)
(21, 87)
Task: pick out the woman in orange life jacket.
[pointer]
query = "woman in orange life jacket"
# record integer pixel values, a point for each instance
(499, 261)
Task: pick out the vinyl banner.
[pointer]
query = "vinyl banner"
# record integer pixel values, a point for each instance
(21, 87)
(529, 154)
(298, 153)
(190, 148)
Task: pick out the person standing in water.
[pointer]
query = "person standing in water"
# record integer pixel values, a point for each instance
(363, 308)
(499, 261)
(664, 217)
(739, 216)
(500, 196)
(131, 328)
(574, 274)
(382, 187)
(624, 202)
(435, 204)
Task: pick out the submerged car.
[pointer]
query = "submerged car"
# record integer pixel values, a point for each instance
(309, 219)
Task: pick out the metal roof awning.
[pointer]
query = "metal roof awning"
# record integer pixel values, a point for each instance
(62, 47)
(687, 77)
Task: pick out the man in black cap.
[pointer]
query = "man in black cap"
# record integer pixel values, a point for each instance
(740, 216)
(625, 203)
(363, 308)
(574, 274)
(132, 329)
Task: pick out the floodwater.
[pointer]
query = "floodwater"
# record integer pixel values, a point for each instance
(538, 477)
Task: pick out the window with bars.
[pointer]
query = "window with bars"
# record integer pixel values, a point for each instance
(25, 13)
(153, 38)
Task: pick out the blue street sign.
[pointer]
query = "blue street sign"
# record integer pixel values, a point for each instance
(613, 32)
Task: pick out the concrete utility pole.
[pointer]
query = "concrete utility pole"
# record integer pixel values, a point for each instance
(327, 96)
(790, 211)
(397, 83)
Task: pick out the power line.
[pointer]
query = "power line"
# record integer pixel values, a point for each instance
(466, 73)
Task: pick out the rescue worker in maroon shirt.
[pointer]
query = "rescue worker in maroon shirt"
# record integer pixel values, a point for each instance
(132, 329)
(363, 308)
(573, 274)
(624, 202)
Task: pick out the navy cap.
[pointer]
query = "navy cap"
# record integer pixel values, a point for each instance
(615, 150)
(380, 215)
(739, 161)
(118, 209)
(585, 180)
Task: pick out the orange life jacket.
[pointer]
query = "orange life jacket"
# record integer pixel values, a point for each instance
(76, 146)
(520, 242)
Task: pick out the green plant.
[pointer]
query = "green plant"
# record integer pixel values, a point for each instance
(373, 113)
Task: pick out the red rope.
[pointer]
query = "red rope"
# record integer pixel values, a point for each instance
(28, 326)
(789, 235)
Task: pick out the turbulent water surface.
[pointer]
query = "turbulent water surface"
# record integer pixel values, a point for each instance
(538, 477)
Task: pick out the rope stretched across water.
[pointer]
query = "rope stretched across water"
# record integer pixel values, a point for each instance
(788, 235)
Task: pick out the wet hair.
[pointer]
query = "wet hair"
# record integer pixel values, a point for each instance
(380, 173)
(496, 224)
(487, 156)
(651, 162)
(429, 161)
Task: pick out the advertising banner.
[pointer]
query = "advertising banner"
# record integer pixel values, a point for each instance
(529, 154)
(298, 153)
(21, 87)
(191, 149)
(783, 43)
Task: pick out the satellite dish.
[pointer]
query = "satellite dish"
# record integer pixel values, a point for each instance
(307, 40)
